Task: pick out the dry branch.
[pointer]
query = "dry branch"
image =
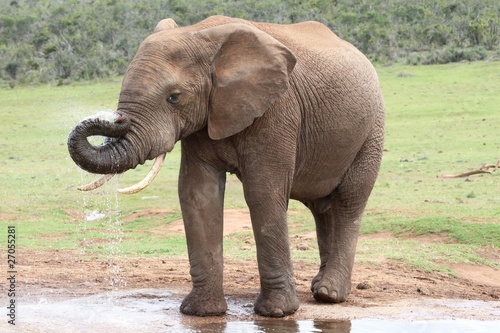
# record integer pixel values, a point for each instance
(485, 168)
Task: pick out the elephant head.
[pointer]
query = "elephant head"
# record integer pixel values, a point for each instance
(210, 77)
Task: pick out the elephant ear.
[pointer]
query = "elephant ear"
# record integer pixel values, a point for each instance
(165, 24)
(250, 71)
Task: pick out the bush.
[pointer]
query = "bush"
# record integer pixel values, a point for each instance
(44, 41)
(11, 69)
(454, 54)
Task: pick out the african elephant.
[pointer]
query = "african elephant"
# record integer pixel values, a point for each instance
(293, 110)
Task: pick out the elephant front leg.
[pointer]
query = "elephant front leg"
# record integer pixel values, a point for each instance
(277, 296)
(201, 193)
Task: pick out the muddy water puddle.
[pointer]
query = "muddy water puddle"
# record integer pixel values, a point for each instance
(152, 310)
(355, 326)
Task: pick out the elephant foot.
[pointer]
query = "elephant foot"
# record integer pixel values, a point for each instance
(202, 302)
(276, 303)
(330, 290)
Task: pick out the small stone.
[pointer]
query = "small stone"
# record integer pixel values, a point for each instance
(302, 247)
(423, 291)
(364, 285)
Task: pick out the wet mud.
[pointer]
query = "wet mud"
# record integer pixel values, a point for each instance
(152, 310)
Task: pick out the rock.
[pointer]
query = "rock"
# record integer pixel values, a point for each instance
(364, 285)
(423, 291)
(302, 247)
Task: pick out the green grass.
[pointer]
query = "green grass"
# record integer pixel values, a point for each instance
(443, 119)
(440, 119)
(422, 255)
(453, 231)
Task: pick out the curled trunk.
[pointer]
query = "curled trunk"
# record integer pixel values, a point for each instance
(115, 155)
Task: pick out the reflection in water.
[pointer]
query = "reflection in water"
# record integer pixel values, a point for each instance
(278, 326)
(356, 326)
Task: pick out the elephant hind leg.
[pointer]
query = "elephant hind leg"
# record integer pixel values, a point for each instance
(337, 245)
(337, 224)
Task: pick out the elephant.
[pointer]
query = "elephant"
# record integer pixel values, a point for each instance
(292, 110)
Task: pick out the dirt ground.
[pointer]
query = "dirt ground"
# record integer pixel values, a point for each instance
(377, 290)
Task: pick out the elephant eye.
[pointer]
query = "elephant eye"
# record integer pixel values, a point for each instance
(174, 98)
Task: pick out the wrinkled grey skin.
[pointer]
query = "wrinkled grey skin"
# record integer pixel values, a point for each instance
(292, 110)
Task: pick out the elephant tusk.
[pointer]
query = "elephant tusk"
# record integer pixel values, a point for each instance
(96, 183)
(148, 179)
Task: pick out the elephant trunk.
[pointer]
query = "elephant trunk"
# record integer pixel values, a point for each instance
(115, 155)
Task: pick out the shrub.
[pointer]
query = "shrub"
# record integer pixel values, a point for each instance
(87, 39)
(454, 54)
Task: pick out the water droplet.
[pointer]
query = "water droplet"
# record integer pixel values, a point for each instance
(107, 115)
(94, 215)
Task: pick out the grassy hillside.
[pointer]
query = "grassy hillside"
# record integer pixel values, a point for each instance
(75, 40)
(440, 119)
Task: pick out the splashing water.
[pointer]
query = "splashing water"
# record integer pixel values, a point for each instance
(107, 115)
(101, 227)
(94, 215)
